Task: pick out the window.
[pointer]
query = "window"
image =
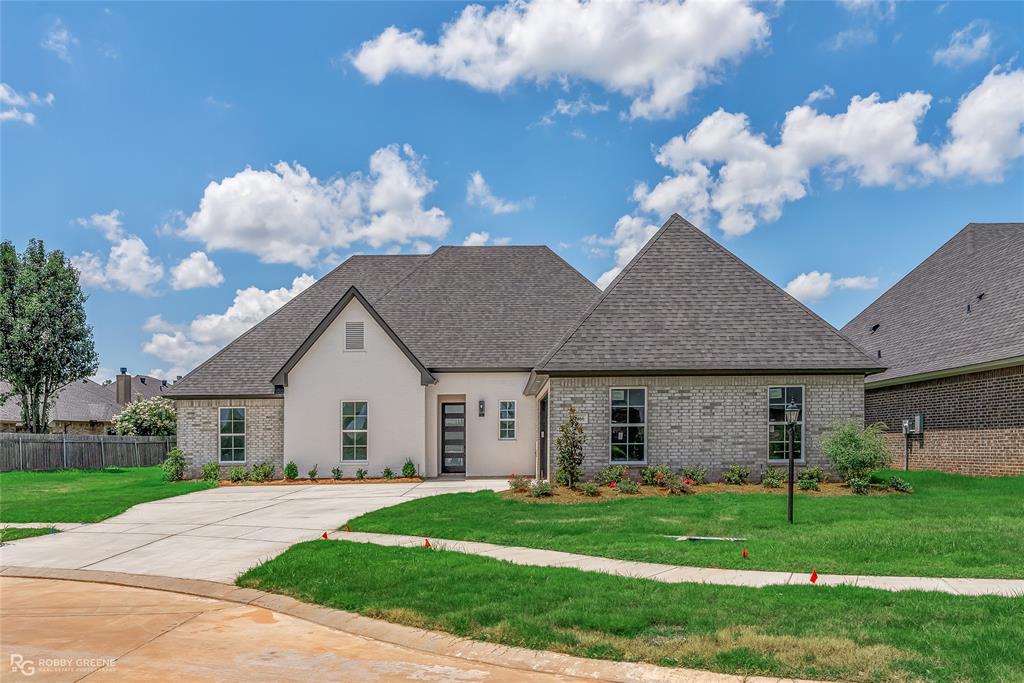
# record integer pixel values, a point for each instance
(354, 337)
(778, 398)
(353, 431)
(232, 434)
(506, 420)
(629, 417)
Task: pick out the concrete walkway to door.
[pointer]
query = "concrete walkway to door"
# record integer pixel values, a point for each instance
(219, 533)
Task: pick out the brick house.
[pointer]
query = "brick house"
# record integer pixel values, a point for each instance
(466, 360)
(952, 335)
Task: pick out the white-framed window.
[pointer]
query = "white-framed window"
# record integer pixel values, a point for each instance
(628, 443)
(354, 425)
(354, 338)
(506, 420)
(778, 399)
(232, 434)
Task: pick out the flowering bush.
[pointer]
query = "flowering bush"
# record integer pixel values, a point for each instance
(677, 486)
(612, 473)
(151, 417)
(698, 474)
(519, 483)
(655, 474)
(628, 486)
(589, 488)
(541, 489)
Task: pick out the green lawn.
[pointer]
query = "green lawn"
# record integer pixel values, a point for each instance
(838, 633)
(14, 533)
(950, 526)
(83, 495)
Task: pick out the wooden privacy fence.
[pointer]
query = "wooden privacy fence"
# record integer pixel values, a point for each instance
(85, 451)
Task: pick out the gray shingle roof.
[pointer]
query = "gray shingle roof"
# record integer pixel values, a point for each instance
(459, 308)
(143, 386)
(685, 303)
(82, 401)
(923, 322)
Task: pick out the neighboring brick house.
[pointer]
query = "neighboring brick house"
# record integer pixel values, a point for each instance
(467, 360)
(952, 335)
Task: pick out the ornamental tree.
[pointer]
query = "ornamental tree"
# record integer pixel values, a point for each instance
(569, 443)
(152, 417)
(45, 342)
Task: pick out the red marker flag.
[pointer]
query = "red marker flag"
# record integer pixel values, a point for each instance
(426, 542)
(324, 536)
(814, 576)
(745, 554)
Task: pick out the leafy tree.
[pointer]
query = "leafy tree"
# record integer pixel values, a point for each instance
(152, 417)
(45, 342)
(569, 443)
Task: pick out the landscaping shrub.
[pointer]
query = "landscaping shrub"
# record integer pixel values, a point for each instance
(677, 486)
(815, 473)
(612, 474)
(409, 469)
(773, 478)
(807, 484)
(291, 471)
(262, 472)
(210, 472)
(735, 474)
(336, 472)
(174, 465)
(361, 473)
(570, 442)
(238, 473)
(149, 417)
(519, 482)
(900, 485)
(387, 473)
(629, 486)
(589, 488)
(314, 471)
(541, 489)
(698, 474)
(649, 475)
(859, 485)
(560, 478)
(855, 452)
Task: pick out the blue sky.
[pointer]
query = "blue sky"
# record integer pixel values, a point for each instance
(248, 148)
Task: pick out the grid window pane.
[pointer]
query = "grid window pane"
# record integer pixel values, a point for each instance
(354, 425)
(628, 422)
(506, 419)
(778, 445)
(232, 434)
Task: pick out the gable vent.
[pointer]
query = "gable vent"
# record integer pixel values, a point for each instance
(354, 336)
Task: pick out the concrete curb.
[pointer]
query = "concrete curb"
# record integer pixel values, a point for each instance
(404, 636)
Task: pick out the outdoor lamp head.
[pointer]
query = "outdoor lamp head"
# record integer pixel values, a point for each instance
(792, 412)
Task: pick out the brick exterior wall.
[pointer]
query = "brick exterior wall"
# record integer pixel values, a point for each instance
(704, 420)
(973, 423)
(199, 438)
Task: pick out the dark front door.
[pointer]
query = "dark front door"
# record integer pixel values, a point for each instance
(544, 438)
(453, 438)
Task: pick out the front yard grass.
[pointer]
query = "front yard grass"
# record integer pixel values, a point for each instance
(84, 495)
(836, 633)
(9, 533)
(950, 526)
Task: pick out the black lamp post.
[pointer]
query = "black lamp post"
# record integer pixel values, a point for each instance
(792, 417)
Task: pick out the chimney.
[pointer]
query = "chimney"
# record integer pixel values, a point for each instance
(124, 387)
(163, 383)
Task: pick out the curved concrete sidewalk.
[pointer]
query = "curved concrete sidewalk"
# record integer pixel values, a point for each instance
(669, 573)
(428, 655)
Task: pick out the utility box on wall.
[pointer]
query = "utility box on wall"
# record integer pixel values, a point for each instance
(914, 425)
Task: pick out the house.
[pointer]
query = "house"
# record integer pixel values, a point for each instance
(467, 360)
(85, 407)
(951, 333)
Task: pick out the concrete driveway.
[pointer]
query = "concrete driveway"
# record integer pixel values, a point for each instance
(219, 533)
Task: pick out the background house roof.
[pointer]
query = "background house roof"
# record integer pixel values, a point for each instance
(143, 387)
(924, 324)
(82, 401)
(458, 308)
(685, 303)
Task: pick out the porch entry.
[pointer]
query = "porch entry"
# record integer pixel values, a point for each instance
(453, 438)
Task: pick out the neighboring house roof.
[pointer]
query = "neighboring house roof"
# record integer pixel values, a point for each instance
(82, 401)
(143, 387)
(923, 322)
(468, 308)
(687, 304)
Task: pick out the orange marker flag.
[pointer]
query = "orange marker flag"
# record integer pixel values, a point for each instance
(426, 542)
(745, 554)
(814, 576)
(324, 536)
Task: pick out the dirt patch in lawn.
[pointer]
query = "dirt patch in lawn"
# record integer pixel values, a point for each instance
(561, 494)
(323, 482)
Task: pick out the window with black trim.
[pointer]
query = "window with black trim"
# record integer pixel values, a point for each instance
(354, 426)
(232, 434)
(506, 420)
(778, 399)
(628, 424)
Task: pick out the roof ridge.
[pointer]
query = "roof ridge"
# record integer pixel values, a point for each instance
(408, 275)
(559, 257)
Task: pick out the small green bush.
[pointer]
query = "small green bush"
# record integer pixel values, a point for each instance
(815, 473)
(589, 488)
(210, 472)
(314, 471)
(612, 473)
(649, 475)
(387, 473)
(361, 473)
(336, 472)
(541, 489)
(859, 485)
(735, 474)
(698, 474)
(238, 473)
(291, 471)
(773, 478)
(628, 486)
(855, 452)
(807, 484)
(519, 482)
(174, 465)
(900, 485)
(262, 472)
(677, 486)
(409, 469)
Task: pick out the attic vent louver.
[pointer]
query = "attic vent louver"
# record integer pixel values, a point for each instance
(354, 336)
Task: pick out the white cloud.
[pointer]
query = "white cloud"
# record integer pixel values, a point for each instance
(852, 38)
(186, 345)
(478, 193)
(657, 52)
(629, 235)
(20, 103)
(881, 9)
(286, 215)
(479, 239)
(59, 40)
(128, 266)
(970, 44)
(814, 286)
(823, 93)
(217, 104)
(572, 108)
(196, 270)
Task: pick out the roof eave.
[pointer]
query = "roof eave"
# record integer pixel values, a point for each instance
(637, 372)
(945, 372)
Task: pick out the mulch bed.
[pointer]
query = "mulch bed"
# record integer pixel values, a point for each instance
(561, 494)
(322, 482)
